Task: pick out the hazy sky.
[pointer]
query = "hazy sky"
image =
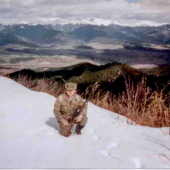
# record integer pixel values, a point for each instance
(122, 11)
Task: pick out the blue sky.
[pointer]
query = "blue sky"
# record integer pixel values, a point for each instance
(127, 12)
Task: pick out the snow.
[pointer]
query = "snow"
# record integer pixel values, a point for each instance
(45, 62)
(99, 21)
(91, 21)
(29, 136)
(141, 66)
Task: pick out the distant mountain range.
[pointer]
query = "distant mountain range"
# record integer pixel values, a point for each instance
(130, 45)
(68, 33)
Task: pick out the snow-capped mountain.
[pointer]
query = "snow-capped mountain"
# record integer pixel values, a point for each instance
(87, 30)
(98, 21)
(75, 21)
(90, 21)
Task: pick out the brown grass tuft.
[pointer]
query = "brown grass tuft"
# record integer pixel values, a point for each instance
(138, 103)
(49, 86)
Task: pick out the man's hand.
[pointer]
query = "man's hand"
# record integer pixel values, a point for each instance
(65, 123)
(79, 118)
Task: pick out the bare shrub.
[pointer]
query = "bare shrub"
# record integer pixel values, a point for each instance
(138, 103)
(25, 81)
(49, 86)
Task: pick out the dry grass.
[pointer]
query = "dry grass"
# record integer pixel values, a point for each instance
(49, 86)
(139, 103)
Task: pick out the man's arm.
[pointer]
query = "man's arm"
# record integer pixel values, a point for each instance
(57, 111)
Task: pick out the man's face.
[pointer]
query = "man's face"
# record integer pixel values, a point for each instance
(70, 92)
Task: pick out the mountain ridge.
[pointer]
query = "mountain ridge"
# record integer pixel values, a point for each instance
(58, 34)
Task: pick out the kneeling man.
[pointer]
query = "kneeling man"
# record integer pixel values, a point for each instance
(65, 106)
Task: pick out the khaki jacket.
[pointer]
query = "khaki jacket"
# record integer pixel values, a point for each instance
(63, 108)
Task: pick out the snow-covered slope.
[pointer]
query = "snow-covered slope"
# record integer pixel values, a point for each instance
(29, 136)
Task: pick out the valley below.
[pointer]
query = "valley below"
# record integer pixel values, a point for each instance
(14, 58)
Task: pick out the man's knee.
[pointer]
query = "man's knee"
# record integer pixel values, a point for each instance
(63, 130)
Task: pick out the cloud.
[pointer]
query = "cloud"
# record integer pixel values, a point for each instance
(119, 10)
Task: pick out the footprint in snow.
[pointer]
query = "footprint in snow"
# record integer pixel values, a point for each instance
(112, 145)
(107, 154)
(30, 133)
(89, 131)
(137, 162)
(103, 152)
(96, 137)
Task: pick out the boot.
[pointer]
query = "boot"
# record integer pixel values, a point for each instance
(78, 129)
